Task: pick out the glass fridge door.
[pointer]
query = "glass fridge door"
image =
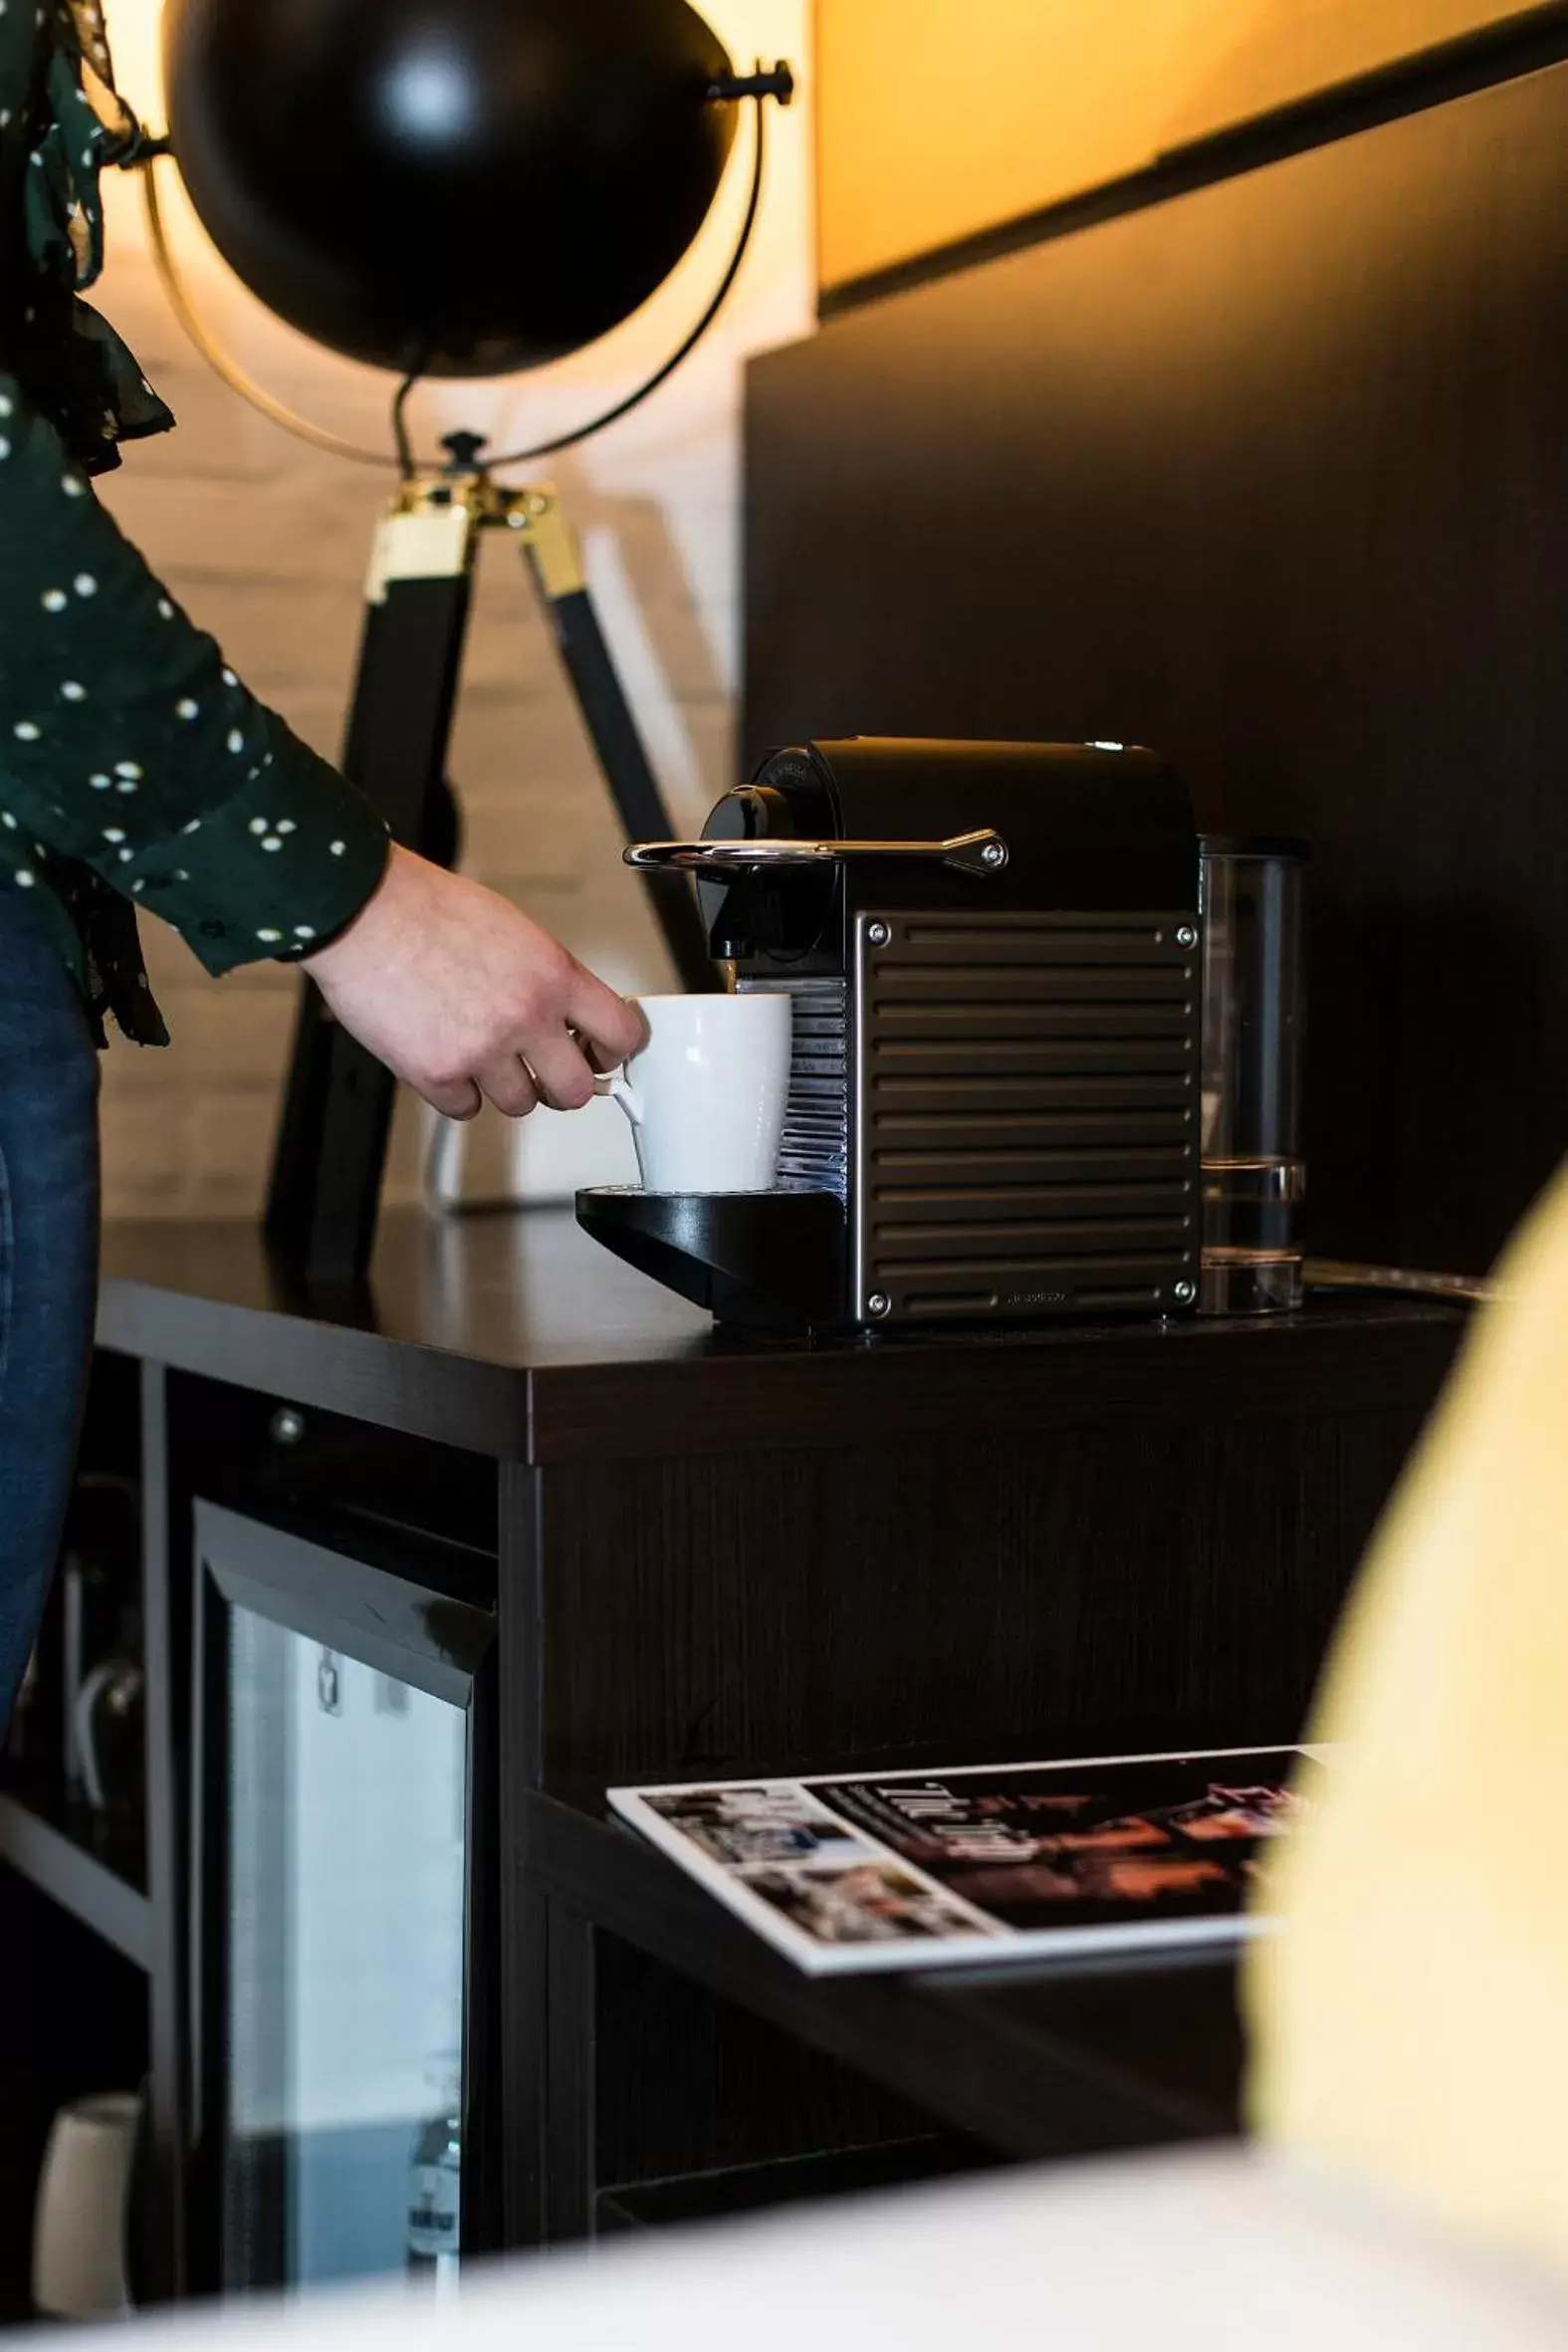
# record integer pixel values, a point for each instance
(343, 1965)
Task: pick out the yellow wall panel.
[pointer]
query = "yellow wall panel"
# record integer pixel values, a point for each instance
(938, 117)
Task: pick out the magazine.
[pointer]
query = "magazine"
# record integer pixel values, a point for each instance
(987, 1862)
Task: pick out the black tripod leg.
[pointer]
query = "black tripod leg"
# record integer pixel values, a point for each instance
(330, 1152)
(634, 787)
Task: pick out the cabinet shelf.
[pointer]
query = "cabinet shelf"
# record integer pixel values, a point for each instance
(735, 2189)
(90, 1889)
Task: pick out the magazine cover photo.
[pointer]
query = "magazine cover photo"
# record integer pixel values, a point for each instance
(900, 1868)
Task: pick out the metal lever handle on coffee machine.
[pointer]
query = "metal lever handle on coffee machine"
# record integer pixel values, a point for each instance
(984, 852)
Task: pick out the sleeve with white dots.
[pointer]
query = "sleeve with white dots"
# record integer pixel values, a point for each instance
(127, 743)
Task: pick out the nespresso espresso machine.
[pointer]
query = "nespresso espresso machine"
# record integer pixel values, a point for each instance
(996, 1113)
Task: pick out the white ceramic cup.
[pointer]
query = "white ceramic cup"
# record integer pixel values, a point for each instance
(79, 2222)
(706, 1094)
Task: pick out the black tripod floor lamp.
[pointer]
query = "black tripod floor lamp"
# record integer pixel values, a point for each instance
(345, 178)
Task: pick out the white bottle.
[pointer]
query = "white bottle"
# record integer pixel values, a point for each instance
(435, 2183)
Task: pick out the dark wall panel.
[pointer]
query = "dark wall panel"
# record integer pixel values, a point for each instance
(1275, 478)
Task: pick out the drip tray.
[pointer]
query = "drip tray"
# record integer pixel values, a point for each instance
(769, 1261)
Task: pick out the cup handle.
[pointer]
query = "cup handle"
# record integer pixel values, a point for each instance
(620, 1088)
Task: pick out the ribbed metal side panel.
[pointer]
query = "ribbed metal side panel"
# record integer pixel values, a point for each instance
(1024, 1114)
(814, 1153)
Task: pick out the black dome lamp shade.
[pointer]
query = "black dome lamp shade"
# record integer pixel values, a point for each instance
(453, 187)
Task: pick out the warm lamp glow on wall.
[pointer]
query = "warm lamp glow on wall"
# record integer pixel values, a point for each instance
(940, 120)
(453, 189)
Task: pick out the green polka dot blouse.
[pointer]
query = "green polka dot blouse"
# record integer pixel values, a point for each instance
(135, 770)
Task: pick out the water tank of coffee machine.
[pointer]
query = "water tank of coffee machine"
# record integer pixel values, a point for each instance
(1254, 1037)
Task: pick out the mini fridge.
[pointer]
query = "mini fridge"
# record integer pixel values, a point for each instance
(342, 1817)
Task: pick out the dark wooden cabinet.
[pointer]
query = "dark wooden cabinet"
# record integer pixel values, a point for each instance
(702, 1554)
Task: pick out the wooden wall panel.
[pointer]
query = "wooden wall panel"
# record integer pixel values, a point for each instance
(1273, 477)
(942, 119)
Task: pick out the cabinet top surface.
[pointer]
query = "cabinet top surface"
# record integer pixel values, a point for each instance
(524, 1290)
(516, 1334)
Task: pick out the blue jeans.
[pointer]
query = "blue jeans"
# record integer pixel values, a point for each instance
(48, 1210)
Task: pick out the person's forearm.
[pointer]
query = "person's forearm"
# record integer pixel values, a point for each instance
(126, 741)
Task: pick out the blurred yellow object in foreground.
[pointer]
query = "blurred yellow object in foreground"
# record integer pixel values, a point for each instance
(1411, 2019)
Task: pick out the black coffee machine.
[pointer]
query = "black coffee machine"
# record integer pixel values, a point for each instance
(992, 951)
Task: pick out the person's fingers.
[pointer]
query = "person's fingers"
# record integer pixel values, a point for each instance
(510, 1087)
(595, 1056)
(455, 1098)
(612, 1024)
(561, 1073)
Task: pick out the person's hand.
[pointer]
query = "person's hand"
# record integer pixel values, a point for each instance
(461, 996)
